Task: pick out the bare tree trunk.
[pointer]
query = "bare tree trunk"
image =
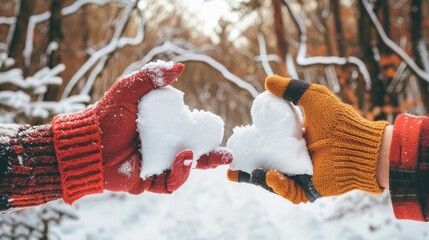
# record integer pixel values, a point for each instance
(338, 27)
(389, 60)
(19, 36)
(282, 46)
(377, 85)
(416, 38)
(383, 13)
(55, 37)
(55, 31)
(73, 43)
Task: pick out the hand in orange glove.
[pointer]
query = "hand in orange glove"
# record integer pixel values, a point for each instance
(343, 146)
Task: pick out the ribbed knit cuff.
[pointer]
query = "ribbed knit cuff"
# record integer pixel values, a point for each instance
(409, 172)
(356, 147)
(77, 139)
(29, 174)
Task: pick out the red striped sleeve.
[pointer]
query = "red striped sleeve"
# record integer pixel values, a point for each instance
(409, 175)
(29, 173)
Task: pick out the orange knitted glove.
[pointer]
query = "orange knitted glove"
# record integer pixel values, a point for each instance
(343, 146)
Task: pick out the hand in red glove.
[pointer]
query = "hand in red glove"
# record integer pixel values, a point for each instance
(99, 148)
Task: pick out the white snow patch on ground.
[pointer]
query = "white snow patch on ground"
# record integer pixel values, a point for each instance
(274, 141)
(167, 127)
(208, 206)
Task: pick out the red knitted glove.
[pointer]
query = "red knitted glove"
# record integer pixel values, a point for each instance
(220, 156)
(98, 148)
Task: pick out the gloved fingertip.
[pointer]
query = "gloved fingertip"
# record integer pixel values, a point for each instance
(179, 67)
(184, 155)
(169, 75)
(172, 74)
(220, 156)
(276, 84)
(238, 176)
(180, 170)
(224, 155)
(232, 175)
(289, 89)
(274, 178)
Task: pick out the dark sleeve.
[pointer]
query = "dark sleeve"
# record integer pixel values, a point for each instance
(29, 174)
(409, 168)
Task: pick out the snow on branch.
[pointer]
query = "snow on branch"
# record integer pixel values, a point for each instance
(184, 55)
(316, 22)
(32, 22)
(4, 58)
(36, 222)
(265, 58)
(290, 66)
(263, 55)
(332, 79)
(165, 47)
(401, 74)
(91, 78)
(139, 35)
(7, 20)
(270, 58)
(219, 67)
(303, 60)
(74, 7)
(22, 103)
(421, 47)
(115, 43)
(38, 81)
(392, 45)
(35, 19)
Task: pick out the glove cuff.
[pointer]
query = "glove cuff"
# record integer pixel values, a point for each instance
(77, 139)
(355, 147)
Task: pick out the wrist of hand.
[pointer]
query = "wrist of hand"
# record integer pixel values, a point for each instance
(382, 171)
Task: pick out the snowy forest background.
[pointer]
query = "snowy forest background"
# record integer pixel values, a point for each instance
(61, 55)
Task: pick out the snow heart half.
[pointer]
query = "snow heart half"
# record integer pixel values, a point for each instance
(274, 141)
(167, 127)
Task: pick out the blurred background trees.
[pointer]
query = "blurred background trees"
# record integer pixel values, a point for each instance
(61, 55)
(58, 56)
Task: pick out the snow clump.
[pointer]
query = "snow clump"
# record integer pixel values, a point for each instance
(274, 141)
(167, 126)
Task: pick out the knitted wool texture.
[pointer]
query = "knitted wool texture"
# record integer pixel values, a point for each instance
(344, 147)
(29, 172)
(77, 140)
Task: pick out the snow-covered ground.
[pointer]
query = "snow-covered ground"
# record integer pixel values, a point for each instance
(208, 206)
